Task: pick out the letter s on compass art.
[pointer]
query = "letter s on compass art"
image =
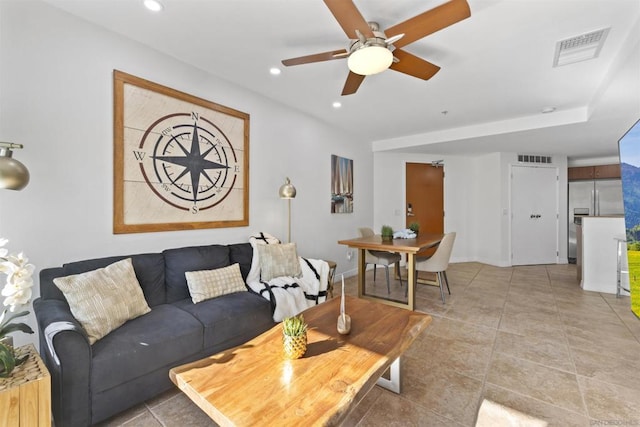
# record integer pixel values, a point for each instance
(183, 161)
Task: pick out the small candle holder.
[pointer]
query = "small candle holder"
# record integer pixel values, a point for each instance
(344, 320)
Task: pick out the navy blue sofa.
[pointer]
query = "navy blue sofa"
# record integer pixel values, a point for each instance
(91, 383)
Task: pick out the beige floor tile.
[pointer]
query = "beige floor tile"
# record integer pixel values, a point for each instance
(611, 343)
(437, 353)
(543, 306)
(462, 332)
(545, 351)
(495, 274)
(181, 411)
(539, 382)
(444, 391)
(609, 402)
(146, 419)
(555, 416)
(433, 305)
(531, 324)
(476, 313)
(395, 411)
(486, 296)
(604, 367)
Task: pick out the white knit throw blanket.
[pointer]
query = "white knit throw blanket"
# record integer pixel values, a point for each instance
(291, 294)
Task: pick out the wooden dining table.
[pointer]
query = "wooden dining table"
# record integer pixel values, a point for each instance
(403, 246)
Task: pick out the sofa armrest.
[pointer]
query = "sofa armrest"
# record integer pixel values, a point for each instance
(65, 349)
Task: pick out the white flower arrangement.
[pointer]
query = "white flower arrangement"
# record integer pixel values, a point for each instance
(16, 292)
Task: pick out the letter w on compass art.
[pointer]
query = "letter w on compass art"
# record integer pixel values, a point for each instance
(180, 162)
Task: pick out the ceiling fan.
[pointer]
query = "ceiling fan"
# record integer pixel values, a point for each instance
(372, 51)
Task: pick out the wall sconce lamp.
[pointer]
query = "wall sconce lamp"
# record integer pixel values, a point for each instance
(288, 191)
(13, 174)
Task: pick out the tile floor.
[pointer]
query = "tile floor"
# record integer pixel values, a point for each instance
(525, 337)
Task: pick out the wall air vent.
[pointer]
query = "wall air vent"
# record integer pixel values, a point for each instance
(534, 158)
(579, 48)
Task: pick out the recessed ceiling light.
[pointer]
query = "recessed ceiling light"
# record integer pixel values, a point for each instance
(336, 104)
(275, 71)
(547, 110)
(153, 5)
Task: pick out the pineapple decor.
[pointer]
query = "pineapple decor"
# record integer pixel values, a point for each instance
(294, 337)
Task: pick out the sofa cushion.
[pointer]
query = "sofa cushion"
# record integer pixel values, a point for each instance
(149, 271)
(280, 260)
(159, 338)
(242, 253)
(103, 299)
(243, 314)
(179, 261)
(207, 284)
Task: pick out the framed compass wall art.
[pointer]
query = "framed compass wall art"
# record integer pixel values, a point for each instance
(180, 162)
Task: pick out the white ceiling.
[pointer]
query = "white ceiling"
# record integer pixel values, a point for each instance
(496, 74)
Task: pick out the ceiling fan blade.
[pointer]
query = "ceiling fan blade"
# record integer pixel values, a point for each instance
(349, 18)
(318, 57)
(413, 66)
(429, 22)
(352, 84)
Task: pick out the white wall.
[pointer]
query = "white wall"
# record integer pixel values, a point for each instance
(389, 195)
(477, 201)
(488, 183)
(56, 99)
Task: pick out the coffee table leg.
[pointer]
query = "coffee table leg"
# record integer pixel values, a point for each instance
(393, 383)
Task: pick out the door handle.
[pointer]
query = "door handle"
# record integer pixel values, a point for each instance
(410, 210)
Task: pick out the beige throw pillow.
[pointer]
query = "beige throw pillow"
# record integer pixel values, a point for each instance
(104, 299)
(278, 261)
(207, 284)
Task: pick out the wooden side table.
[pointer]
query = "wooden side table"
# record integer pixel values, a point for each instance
(332, 272)
(25, 397)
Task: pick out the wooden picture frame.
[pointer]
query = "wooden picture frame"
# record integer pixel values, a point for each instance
(180, 162)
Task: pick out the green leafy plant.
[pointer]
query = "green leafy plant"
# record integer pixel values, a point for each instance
(415, 227)
(386, 232)
(294, 326)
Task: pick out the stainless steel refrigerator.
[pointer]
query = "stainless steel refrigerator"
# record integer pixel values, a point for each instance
(593, 198)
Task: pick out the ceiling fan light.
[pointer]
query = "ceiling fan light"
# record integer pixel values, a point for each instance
(370, 60)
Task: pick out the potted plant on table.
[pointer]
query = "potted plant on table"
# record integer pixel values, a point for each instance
(17, 292)
(415, 227)
(387, 233)
(294, 337)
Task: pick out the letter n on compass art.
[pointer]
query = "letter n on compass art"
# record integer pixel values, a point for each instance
(180, 162)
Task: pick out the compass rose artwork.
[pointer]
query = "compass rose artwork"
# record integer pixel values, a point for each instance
(181, 162)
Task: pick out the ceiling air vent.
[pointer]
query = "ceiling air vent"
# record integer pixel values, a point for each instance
(579, 48)
(534, 158)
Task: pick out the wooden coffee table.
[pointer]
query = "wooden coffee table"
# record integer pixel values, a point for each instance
(253, 384)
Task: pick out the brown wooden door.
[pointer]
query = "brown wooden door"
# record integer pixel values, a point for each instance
(425, 198)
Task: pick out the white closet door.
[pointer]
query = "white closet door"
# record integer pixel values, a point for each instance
(534, 210)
